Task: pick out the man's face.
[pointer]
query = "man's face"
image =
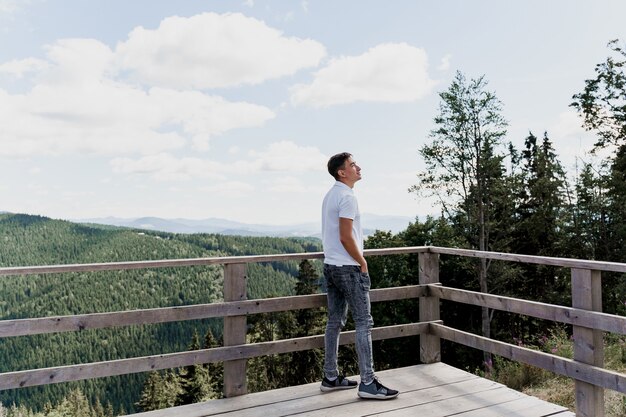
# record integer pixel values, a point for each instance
(351, 171)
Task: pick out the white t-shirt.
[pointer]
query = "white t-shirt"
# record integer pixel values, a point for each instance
(340, 202)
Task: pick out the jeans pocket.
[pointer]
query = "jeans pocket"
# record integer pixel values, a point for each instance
(366, 282)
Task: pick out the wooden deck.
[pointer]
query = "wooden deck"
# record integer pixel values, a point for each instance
(433, 390)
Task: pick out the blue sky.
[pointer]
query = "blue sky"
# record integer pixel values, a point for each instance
(230, 109)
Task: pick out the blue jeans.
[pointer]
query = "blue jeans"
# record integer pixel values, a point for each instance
(347, 287)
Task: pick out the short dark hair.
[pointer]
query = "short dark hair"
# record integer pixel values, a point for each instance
(336, 162)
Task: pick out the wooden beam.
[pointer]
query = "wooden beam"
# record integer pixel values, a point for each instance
(171, 263)
(561, 314)
(430, 345)
(44, 376)
(531, 259)
(235, 330)
(588, 343)
(562, 366)
(58, 324)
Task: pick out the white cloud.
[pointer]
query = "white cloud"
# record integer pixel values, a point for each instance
(445, 63)
(8, 6)
(249, 3)
(282, 156)
(166, 167)
(19, 67)
(287, 156)
(212, 50)
(201, 115)
(79, 106)
(78, 61)
(392, 72)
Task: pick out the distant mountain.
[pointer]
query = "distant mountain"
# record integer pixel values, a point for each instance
(371, 223)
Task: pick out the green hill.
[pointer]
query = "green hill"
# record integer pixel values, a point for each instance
(33, 240)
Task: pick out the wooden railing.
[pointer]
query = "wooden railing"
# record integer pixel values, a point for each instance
(585, 315)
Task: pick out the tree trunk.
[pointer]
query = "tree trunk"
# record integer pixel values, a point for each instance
(482, 281)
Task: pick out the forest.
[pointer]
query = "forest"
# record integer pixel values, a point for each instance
(35, 240)
(491, 196)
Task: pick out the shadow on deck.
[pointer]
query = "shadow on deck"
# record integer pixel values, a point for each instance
(433, 390)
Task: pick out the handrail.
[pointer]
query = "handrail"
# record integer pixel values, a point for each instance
(164, 263)
(225, 260)
(585, 315)
(533, 259)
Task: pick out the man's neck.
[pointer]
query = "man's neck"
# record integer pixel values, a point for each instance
(349, 184)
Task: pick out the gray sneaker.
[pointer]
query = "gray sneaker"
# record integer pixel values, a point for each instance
(337, 384)
(376, 391)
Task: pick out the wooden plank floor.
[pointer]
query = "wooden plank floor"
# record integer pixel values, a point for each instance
(434, 390)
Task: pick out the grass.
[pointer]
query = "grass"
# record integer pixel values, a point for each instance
(557, 389)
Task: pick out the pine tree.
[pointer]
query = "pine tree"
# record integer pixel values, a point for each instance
(540, 210)
(304, 366)
(151, 395)
(538, 229)
(588, 230)
(267, 372)
(98, 409)
(108, 410)
(195, 380)
(216, 369)
(75, 404)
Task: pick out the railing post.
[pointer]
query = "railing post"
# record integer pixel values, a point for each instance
(430, 345)
(235, 330)
(588, 343)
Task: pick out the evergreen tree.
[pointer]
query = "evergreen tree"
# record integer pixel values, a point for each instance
(157, 393)
(588, 230)
(303, 366)
(194, 380)
(98, 409)
(266, 372)
(75, 404)
(216, 369)
(19, 411)
(538, 229)
(108, 410)
(542, 201)
(613, 301)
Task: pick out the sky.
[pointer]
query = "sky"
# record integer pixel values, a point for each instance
(231, 109)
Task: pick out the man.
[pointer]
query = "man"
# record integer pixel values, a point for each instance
(345, 270)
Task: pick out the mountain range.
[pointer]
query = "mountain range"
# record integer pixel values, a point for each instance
(371, 223)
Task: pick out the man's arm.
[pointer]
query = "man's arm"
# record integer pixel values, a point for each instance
(348, 242)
